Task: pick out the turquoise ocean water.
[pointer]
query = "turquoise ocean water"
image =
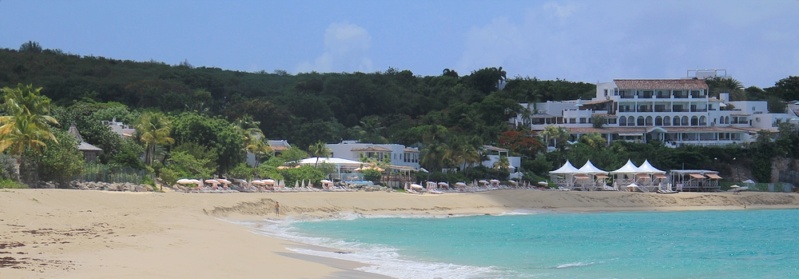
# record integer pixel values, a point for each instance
(692, 244)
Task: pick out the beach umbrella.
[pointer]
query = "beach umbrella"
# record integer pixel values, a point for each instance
(185, 181)
(212, 182)
(296, 184)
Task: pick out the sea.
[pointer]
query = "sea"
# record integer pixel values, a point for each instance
(686, 244)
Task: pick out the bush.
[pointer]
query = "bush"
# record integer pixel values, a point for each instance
(11, 184)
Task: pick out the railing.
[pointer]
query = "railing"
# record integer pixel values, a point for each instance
(105, 173)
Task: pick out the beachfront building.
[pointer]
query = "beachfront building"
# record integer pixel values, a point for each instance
(277, 147)
(90, 152)
(121, 129)
(674, 111)
(398, 154)
(494, 154)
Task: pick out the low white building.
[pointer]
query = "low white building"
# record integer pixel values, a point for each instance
(398, 154)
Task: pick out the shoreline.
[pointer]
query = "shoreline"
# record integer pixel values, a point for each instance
(46, 233)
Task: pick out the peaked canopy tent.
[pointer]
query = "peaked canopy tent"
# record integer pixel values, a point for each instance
(592, 177)
(564, 176)
(650, 177)
(625, 175)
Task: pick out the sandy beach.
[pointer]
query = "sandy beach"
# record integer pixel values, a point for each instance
(47, 233)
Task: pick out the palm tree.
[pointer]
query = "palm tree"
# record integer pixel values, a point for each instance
(434, 156)
(258, 146)
(319, 149)
(503, 163)
(595, 140)
(254, 139)
(154, 129)
(557, 134)
(26, 125)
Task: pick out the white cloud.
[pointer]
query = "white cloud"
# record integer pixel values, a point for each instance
(346, 50)
(560, 11)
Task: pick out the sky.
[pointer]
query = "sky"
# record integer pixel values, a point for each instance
(755, 42)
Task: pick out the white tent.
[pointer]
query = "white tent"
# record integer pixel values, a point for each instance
(564, 176)
(646, 167)
(596, 177)
(567, 168)
(589, 168)
(625, 175)
(650, 178)
(628, 168)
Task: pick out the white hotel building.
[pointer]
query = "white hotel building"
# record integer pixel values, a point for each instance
(674, 111)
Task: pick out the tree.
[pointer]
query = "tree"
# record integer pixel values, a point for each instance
(61, 161)
(786, 89)
(254, 140)
(502, 164)
(594, 140)
(726, 85)
(556, 134)
(319, 149)
(450, 73)
(522, 142)
(154, 129)
(26, 125)
(599, 121)
(292, 155)
(216, 133)
(30, 46)
(182, 164)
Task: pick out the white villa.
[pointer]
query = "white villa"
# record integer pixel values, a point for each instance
(674, 111)
(398, 154)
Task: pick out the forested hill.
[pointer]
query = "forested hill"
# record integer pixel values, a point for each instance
(304, 108)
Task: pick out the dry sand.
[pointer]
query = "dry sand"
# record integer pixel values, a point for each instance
(97, 234)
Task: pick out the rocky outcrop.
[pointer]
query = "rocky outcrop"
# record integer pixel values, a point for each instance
(785, 170)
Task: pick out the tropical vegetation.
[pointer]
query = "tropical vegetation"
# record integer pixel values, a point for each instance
(201, 121)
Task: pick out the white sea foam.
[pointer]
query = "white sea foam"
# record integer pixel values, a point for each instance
(378, 259)
(575, 264)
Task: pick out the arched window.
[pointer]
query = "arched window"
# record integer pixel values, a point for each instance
(702, 121)
(630, 121)
(676, 121)
(666, 121)
(658, 121)
(694, 121)
(622, 121)
(726, 120)
(649, 121)
(640, 121)
(684, 121)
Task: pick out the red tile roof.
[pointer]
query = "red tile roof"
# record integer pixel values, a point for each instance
(661, 84)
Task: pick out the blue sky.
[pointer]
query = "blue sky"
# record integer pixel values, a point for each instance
(756, 42)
